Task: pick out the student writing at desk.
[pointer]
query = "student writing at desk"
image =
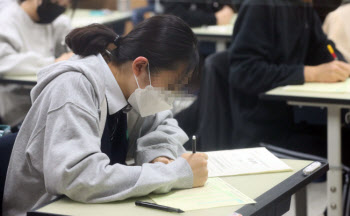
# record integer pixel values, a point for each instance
(277, 43)
(74, 139)
(30, 38)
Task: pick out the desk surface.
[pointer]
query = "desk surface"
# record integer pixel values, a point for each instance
(30, 79)
(224, 31)
(309, 97)
(258, 187)
(83, 17)
(215, 32)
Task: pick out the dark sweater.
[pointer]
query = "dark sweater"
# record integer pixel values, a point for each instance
(272, 41)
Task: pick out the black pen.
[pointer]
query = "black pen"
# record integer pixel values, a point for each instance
(194, 144)
(159, 207)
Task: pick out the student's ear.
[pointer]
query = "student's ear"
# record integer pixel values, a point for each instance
(139, 65)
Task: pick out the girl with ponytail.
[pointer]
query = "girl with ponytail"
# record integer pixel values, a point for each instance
(102, 107)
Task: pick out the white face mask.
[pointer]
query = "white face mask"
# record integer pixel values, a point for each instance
(149, 101)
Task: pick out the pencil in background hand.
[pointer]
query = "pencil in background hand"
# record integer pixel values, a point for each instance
(331, 51)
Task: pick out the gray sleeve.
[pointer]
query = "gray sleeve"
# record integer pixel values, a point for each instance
(75, 166)
(61, 28)
(160, 135)
(15, 62)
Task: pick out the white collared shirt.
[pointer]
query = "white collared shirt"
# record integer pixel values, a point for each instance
(115, 97)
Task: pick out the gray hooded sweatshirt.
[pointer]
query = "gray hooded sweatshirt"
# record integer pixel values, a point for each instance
(57, 150)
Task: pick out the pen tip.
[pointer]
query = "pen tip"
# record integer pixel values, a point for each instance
(180, 211)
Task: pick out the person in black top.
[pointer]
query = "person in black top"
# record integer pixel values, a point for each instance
(275, 43)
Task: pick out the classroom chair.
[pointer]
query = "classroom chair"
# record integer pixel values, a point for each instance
(209, 117)
(6, 145)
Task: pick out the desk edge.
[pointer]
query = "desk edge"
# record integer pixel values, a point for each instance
(269, 198)
(265, 96)
(247, 209)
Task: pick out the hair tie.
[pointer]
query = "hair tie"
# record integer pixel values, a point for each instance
(116, 40)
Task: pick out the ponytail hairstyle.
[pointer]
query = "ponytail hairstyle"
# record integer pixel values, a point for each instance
(164, 40)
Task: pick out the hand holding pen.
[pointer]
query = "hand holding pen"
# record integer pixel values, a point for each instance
(334, 71)
(198, 163)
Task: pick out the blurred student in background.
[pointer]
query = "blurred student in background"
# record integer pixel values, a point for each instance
(337, 27)
(31, 37)
(277, 43)
(198, 14)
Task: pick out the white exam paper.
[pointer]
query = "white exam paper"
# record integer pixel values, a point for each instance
(243, 162)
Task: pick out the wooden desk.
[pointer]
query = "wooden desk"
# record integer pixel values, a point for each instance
(334, 102)
(272, 192)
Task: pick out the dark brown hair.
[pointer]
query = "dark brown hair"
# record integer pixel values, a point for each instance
(164, 40)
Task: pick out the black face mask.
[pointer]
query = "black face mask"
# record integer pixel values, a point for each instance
(49, 11)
